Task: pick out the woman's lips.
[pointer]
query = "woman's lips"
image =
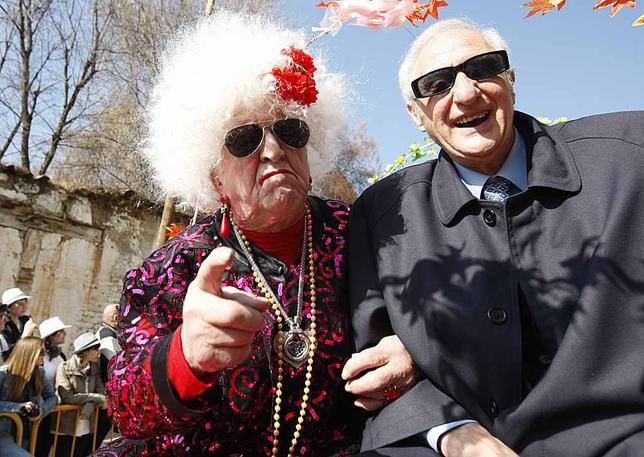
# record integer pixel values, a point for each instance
(273, 173)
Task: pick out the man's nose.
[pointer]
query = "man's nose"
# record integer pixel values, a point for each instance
(272, 150)
(465, 90)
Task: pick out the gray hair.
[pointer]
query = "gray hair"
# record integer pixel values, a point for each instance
(212, 70)
(405, 74)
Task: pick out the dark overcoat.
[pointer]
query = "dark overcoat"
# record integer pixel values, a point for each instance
(444, 271)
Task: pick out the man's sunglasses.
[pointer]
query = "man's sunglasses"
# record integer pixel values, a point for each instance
(477, 68)
(244, 140)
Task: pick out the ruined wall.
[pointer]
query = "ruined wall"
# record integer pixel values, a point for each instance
(70, 249)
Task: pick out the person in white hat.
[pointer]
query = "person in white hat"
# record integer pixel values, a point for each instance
(78, 382)
(19, 324)
(53, 331)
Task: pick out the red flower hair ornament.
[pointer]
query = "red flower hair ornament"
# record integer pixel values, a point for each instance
(294, 82)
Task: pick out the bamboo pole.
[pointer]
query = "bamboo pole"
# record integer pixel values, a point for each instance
(166, 218)
(209, 6)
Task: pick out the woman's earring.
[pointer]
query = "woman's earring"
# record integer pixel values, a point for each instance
(224, 225)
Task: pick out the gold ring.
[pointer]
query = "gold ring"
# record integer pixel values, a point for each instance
(391, 392)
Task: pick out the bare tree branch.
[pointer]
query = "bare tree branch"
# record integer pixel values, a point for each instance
(7, 43)
(25, 33)
(10, 137)
(90, 68)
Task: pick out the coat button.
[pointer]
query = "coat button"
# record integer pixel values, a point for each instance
(544, 359)
(497, 316)
(489, 217)
(494, 409)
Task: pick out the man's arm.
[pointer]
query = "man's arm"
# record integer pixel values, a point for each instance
(425, 406)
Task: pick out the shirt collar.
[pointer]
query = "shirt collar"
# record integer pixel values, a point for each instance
(515, 168)
(549, 160)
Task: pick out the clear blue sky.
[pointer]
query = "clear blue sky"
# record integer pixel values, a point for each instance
(574, 62)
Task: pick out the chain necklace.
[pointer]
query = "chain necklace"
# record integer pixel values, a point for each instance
(295, 345)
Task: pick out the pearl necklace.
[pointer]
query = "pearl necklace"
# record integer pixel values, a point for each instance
(295, 345)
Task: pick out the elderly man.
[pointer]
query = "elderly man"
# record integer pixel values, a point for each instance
(107, 334)
(512, 268)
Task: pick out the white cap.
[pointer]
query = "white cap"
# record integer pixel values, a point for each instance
(51, 326)
(85, 341)
(11, 296)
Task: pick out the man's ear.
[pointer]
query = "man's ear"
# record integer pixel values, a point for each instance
(512, 78)
(417, 120)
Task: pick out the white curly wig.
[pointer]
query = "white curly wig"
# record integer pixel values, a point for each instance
(211, 71)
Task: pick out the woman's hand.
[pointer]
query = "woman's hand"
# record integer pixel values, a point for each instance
(219, 325)
(30, 327)
(27, 406)
(380, 374)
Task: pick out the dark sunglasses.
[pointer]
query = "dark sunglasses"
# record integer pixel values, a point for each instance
(477, 68)
(244, 140)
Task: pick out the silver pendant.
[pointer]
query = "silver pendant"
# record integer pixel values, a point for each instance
(296, 343)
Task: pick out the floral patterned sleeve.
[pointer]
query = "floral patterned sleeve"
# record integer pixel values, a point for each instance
(141, 400)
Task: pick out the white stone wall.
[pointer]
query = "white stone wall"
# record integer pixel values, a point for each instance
(70, 249)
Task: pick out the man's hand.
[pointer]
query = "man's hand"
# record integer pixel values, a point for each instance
(385, 366)
(218, 324)
(472, 440)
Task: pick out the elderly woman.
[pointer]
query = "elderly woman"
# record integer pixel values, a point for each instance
(235, 333)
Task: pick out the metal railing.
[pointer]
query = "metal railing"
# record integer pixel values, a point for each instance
(57, 410)
(15, 417)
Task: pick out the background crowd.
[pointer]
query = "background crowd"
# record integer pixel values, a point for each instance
(37, 375)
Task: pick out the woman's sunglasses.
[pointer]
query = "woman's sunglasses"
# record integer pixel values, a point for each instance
(477, 68)
(244, 140)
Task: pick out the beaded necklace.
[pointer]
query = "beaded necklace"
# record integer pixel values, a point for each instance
(295, 345)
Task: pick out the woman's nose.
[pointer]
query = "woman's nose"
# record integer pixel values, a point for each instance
(272, 150)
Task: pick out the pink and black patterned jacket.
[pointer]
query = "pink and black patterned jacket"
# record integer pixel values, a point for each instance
(234, 417)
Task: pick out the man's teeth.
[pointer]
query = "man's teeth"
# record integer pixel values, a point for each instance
(467, 119)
